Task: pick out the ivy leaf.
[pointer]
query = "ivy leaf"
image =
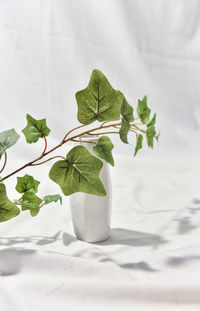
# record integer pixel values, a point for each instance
(143, 110)
(150, 134)
(78, 173)
(52, 198)
(153, 121)
(31, 202)
(98, 101)
(123, 132)
(8, 209)
(127, 111)
(35, 129)
(7, 140)
(103, 149)
(157, 136)
(27, 184)
(139, 144)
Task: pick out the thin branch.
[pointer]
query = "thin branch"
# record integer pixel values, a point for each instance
(84, 141)
(35, 164)
(139, 129)
(5, 161)
(104, 133)
(76, 128)
(58, 146)
(45, 145)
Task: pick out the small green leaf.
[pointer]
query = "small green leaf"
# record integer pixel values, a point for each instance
(8, 209)
(52, 198)
(7, 140)
(98, 101)
(127, 111)
(153, 121)
(123, 132)
(139, 144)
(150, 134)
(35, 129)
(103, 149)
(78, 173)
(157, 136)
(27, 184)
(143, 110)
(31, 202)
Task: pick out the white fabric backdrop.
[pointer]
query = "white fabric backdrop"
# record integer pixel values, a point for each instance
(48, 49)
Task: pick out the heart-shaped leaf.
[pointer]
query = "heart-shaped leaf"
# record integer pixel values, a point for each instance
(78, 173)
(123, 132)
(99, 101)
(143, 110)
(52, 198)
(138, 144)
(35, 129)
(103, 149)
(8, 209)
(31, 202)
(127, 111)
(7, 140)
(27, 184)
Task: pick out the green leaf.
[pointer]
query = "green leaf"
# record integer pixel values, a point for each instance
(8, 209)
(7, 140)
(52, 198)
(139, 144)
(35, 129)
(123, 132)
(27, 184)
(78, 173)
(31, 202)
(103, 149)
(127, 111)
(98, 101)
(150, 134)
(143, 110)
(157, 136)
(153, 121)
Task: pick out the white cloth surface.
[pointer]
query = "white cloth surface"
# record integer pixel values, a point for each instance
(151, 260)
(48, 49)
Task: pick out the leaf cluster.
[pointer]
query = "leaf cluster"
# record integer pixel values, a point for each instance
(79, 170)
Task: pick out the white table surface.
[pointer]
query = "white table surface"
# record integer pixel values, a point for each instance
(151, 261)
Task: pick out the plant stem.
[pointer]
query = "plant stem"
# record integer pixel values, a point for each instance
(84, 141)
(76, 128)
(5, 161)
(44, 154)
(45, 145)
(34, 164)
(139, 129)
(104, 133)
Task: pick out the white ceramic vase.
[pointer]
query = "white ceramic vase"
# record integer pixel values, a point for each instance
(91, 215)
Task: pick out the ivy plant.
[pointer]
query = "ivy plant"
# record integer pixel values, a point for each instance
(79, 170)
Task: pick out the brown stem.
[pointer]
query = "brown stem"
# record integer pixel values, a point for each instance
(84, 141)
(34, 164)
(104, 133)
(45, 145)
(65, 141)
(76, 128)
(5, 161)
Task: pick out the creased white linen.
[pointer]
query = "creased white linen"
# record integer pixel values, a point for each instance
(151, 261)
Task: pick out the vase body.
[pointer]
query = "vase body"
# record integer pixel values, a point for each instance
(91, 215)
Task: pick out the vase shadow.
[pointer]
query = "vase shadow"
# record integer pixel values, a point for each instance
(120, 236)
